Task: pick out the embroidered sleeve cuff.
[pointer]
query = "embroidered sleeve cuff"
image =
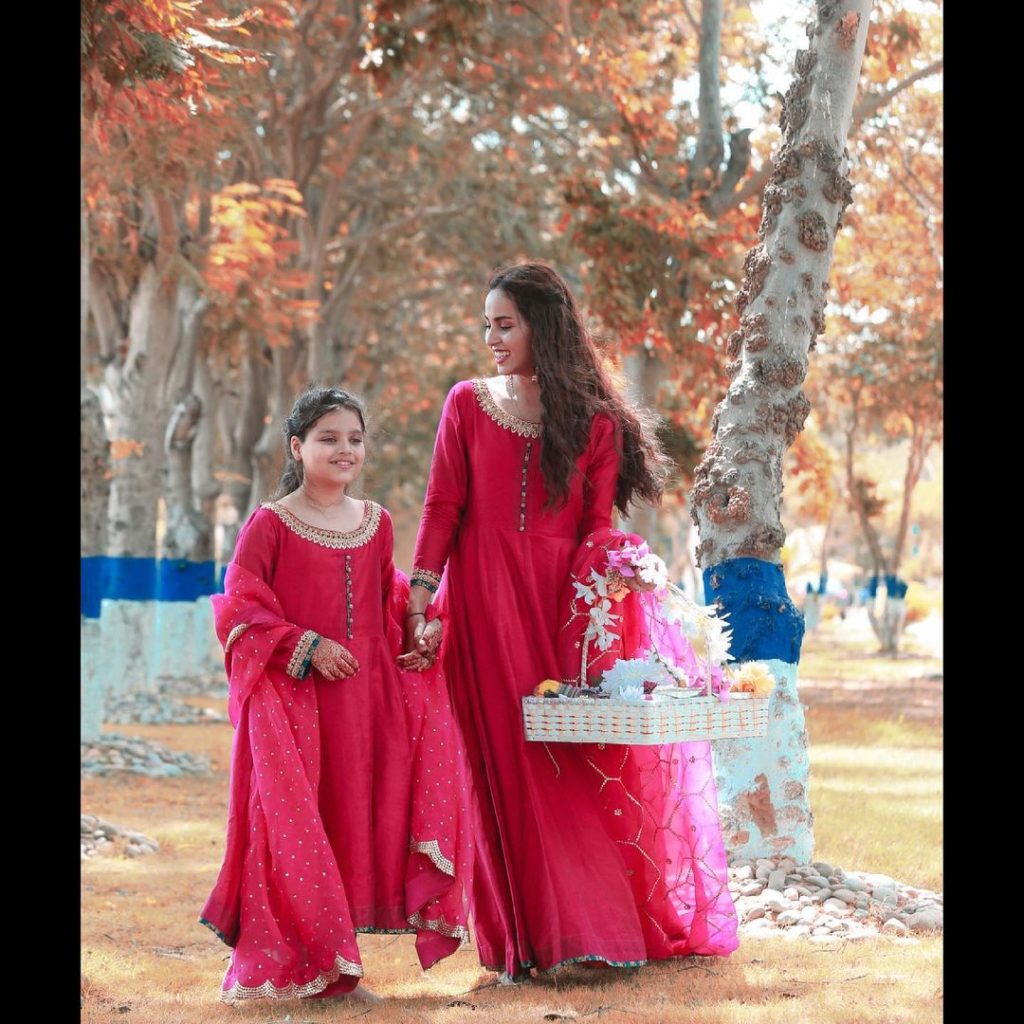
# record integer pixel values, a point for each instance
(234, 635)
(426, 579)
(298, 666)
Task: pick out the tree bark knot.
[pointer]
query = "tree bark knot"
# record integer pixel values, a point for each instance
(838, 189)
(805, 61)
(781, 370)
(755, 268)
(736, 509)
(763, 543)
(826, 157)
(847, 29)
(813, 231)
(828, 9)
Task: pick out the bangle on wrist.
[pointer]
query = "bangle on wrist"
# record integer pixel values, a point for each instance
(426, 579)
(409, 615)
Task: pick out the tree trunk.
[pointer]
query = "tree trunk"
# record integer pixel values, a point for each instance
(95, 492)
(710, 150)
(268, 452)
(95, 476)
(855, 490)
(823, 561)
(645, 372)
(919, 445)
(737, 494)
(736, 499)
(206, 489)
(136, 418)
(204, 485)
(83, 282)
(244, 434)
(188, 535)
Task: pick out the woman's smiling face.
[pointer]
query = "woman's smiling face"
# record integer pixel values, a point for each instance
(507, 335)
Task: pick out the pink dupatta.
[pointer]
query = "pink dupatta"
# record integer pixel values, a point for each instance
(660, 802)
(279, 899)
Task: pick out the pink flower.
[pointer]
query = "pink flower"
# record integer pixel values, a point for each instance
(627, 556)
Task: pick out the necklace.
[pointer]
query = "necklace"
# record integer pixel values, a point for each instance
(510, 390)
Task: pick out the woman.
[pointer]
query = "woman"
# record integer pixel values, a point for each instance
(526, 468)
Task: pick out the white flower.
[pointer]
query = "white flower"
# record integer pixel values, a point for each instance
(632, 672)
(672, 609)
(719, 640)
(624, 673)
(651, 569)
(601, 617)
(631, 693)
(587, 593)
(601, 614)
(600, 583)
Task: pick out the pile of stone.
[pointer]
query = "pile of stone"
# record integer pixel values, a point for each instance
(822, 902)
(99, 836)
(112, 753)
(209, 685)
(157, 709)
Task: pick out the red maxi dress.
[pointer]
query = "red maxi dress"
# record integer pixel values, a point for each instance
(583, 852)
(348, 800)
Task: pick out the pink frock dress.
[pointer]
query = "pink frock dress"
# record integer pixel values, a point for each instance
(348, 796)
(583, 852)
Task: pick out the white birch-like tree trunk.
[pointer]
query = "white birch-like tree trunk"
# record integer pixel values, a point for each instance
(242, 435)
(95, 492)
(134, 374)
(736, 499)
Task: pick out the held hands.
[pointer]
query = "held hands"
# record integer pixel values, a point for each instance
(638, 585)
(333, 661)
(619, 584)
(422, 640)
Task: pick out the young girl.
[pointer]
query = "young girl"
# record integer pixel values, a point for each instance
(585, 852)
(347, 786)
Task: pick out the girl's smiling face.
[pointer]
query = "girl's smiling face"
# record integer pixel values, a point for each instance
(333, 450)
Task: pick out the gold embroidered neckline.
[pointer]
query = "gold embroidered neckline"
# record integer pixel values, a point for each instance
(504, 419)
(331, 538)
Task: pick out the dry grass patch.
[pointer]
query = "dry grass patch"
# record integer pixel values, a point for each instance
(876, 795)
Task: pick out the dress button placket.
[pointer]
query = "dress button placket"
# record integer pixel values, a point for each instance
(522, 492)
(348, 595)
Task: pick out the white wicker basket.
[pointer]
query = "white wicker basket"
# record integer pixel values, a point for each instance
(659, 719)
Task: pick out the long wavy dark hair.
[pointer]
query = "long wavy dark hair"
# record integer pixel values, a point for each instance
(313, 403)
(574, 386)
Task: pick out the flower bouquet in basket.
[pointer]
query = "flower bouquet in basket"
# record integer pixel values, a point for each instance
(656, 659)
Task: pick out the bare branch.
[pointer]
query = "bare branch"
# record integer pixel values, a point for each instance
(689, 16)
(739, 161)
(709, 103)
(869, 106)
(873, 102)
